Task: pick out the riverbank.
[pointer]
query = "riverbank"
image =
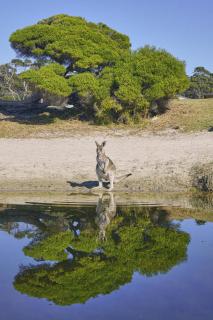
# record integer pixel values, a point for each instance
(162, 162)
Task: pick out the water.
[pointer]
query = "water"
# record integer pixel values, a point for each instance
(105, 262)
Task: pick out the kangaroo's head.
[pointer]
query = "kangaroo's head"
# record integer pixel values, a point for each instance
(100, 148)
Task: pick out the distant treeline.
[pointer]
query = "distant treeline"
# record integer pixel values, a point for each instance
(67, 60)
(201, 84)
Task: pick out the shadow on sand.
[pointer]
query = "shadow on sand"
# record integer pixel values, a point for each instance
(86, 184)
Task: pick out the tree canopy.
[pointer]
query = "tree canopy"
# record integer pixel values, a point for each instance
(94, 67)
(72, 41)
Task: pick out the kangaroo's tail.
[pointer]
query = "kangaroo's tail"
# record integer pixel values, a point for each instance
(118, 179)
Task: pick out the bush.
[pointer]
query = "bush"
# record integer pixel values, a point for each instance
(202, 177)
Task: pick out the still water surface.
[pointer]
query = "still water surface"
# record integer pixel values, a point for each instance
(105, 262)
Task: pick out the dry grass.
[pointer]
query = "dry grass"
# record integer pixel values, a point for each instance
(57, 128)
(185, 115)
(188, 115)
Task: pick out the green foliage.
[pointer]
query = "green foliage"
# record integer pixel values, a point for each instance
(71, 40)
(161, 74)
(93, 96)
(124, 92)
(49, 78)
(84, 84)
(201, 84)
(140, 79)
(108, 111)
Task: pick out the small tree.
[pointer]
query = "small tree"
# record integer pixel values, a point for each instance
(12, 87)
(201, 83)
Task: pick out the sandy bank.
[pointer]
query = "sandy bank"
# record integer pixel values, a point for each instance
(158, 162)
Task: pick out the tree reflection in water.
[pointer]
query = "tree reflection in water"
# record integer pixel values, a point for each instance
(93, 251)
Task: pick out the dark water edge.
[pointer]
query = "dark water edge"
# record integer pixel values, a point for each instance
(107, 259)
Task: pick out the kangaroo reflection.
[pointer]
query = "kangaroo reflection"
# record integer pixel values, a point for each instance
(83, 265)
(106, 211)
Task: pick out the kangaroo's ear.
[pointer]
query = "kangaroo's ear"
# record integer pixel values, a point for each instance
(103, 144)
(97, 144)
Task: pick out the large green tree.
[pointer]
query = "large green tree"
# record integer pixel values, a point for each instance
(93, 66)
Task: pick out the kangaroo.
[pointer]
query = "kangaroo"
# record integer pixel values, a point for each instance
(105, 168)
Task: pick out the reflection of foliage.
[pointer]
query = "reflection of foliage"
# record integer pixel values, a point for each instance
(51, 248)
(86, 242)
(134, 243)
(167, 249)
(73, 282)
(200, 222)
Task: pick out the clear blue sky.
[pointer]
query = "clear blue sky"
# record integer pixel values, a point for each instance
(182, 27)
